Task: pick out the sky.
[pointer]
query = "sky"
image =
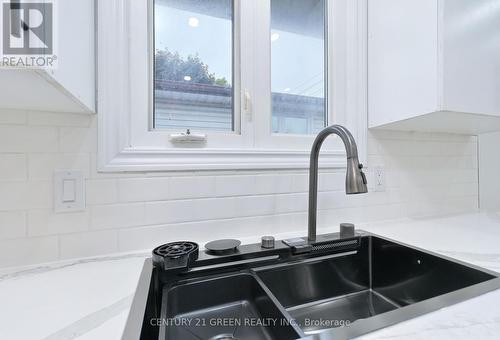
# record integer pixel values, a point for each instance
(297, 60)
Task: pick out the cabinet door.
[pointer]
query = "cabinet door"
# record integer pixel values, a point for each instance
(402, 59)
(471, 56)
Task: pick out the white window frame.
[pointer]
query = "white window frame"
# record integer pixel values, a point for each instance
(126, 142)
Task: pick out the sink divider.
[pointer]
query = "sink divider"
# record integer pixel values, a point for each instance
(278, 305)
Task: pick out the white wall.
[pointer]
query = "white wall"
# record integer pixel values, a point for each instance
(489, 180)
(426, 174)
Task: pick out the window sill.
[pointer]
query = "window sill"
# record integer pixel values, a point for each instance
(130, 160)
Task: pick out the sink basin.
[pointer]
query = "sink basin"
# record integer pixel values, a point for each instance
(356, 286)
(231, 307)
(382, 276)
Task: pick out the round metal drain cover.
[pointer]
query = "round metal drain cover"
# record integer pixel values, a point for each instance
(223, 337)
(223, 247)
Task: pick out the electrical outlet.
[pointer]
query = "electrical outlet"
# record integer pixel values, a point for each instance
(378, 178)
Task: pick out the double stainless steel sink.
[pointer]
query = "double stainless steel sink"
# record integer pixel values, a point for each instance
(327, 296)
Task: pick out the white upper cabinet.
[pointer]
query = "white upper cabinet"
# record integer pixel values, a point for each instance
(70, 85)
(434, 65)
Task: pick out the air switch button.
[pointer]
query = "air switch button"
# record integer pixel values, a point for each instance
(346, 230)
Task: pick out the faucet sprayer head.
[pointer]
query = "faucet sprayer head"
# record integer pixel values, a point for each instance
(355, 181)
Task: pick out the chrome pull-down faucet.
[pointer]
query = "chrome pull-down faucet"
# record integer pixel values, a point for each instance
(355, 182)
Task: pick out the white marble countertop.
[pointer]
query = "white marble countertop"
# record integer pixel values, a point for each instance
(89, 299)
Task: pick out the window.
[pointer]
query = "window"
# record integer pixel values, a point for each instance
(298, 71)
(193, 65)
(204, 51)
(252, 81)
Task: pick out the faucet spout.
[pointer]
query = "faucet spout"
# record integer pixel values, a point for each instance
(355, 178)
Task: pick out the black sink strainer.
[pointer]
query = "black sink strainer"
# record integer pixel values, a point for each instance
(175, 255)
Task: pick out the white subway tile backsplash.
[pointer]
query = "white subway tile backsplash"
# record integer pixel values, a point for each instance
(189, 210)
(39, 195)
(332, 200)
(77, 140)
(426, 174)
(192, 187)
(89, 244)
(117, 216)
(380, 212)
(13, 167)
(42, 166)
(300, 182)
(331, 181)
(462, 189)
(143, 189)
(333, 217)
(462, 204)
(12, 225)
(290, 203)
(12, 117)
(25, 251)
(58, 119)
(209, 209)
(258, 184)
(14, 138)
(373, 149)
(101, 191)
(46, 222)
(465, 176)
(273, 184)
(235, 185)
(392, 180)
(254, 206)
(25, 195)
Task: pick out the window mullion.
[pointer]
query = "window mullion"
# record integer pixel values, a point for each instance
(255, 69)
(262, 78)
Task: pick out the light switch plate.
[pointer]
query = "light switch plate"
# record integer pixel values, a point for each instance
(69, 191)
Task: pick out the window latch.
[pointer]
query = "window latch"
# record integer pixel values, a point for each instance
(247, 105)
(188, 137)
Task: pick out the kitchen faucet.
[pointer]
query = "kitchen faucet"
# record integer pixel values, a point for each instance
(355, 182)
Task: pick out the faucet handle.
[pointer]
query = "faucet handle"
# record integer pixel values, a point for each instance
(363, 176)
